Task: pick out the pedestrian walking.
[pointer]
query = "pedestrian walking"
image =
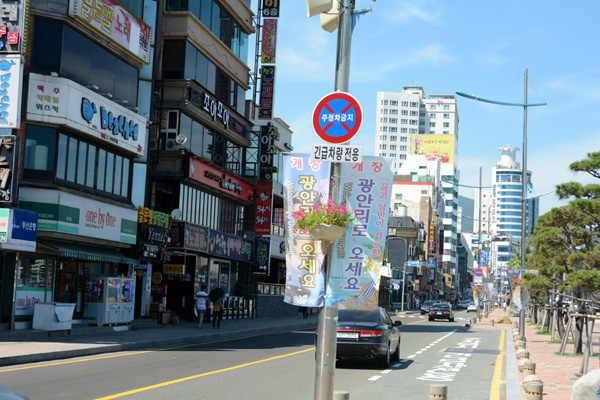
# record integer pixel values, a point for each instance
(217, 313)
(417, 303)
(201, 298)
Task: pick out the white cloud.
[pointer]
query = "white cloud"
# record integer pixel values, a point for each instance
(405, 12)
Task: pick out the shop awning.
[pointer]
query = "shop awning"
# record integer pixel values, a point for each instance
(90, 253)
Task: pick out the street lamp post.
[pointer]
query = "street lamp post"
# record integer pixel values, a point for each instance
(524, 186)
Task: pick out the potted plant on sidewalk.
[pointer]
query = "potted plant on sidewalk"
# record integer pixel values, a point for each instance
(327, 222)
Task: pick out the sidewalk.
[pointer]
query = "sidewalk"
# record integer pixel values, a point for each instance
(26, 346)
(557, 372)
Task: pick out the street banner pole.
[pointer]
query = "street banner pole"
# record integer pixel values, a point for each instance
(327, 337)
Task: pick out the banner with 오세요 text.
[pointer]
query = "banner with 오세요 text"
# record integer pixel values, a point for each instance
(305, 184)
(358, 256)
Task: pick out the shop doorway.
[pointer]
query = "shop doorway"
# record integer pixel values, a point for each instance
(223, 274)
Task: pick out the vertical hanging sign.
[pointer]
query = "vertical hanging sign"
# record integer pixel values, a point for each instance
(269, 41)
(267, 85)
(270, 8)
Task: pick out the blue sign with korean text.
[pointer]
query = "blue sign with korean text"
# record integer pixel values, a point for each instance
(24, 230)
(412, 263)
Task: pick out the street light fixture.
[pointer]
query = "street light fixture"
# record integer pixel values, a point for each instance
(524, 186)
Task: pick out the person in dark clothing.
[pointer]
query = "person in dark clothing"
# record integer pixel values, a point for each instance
(217, 313)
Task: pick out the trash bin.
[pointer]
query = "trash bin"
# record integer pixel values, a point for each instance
(53, 316)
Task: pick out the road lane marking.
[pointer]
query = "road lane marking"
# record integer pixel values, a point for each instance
(387, 371)
(411, 356)
(159, 385)
(374, 378)
(495, 389)
(137, 352)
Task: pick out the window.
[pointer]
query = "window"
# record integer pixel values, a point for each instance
(398, 196)
(446, 132)
(393, 129)
(392, 147)
(414, 113)
(432, 124)
(393, 138)
(385, 102)
(383, 120)
(403, 139)
(394, 103)
(414, 104)
(432, 115)
(383, 155)
(446, 116)
(432, 106)
(383, 128)
(393, 120)
(446, 106)
(404, 121)
(403, 130)
(403, 148)
(404, 112)
(446, 124)
(413, 122)
(383, 146)
(402, 156)
(384, 137)
(394, 112)
(405, 104)
(412, 131)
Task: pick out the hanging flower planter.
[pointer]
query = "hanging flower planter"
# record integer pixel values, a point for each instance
(327, 232)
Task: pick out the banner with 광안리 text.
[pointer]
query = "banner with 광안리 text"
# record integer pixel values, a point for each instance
(305, 184)
(358, 256)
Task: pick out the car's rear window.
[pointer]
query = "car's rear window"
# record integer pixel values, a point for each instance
(441, 306)
(428, 303)
(358, 316)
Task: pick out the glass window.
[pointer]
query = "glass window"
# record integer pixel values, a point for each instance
(47, 48)
(91, 166)
(71, 160)
(174, 59)
(118, 174)
(110, 171)
(101, 176)
(61, 162)
(126, 83)
(102, 70)
(40, 147)
(81, 161)
(76, 59)
(125, 179)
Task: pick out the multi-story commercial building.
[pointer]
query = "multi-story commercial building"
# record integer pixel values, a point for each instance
(409, 122)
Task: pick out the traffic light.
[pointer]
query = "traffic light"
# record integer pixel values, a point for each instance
(314, 7)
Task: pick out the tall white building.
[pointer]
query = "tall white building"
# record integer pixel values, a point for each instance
(405, 124)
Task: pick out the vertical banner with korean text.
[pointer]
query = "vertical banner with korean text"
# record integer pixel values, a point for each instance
(269, 41)
(264, 208)
(267, 87)
(358, 257)
(305, 184)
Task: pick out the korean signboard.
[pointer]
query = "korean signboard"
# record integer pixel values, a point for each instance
(215, 178)
(189, 236)
(13, 25)
(358, 256)
(270, 8)
(264, 208)
(9, 162)
(65, 212)
(24, 231)
(11, 76)
(63, 102)
(269, 41)
(111, 19)
(267, 152)
(305, 184)
(262, 250)
(435, 147)
(267, 87)
(6, 216)
(230, 246)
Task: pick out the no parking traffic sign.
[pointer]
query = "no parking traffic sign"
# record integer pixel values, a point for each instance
(337, 117)
(478, 272)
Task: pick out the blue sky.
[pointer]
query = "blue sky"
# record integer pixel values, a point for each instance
(480, 48)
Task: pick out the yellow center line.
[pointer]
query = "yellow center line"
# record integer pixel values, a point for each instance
(159, 385)
(134, 353)
(495, 389)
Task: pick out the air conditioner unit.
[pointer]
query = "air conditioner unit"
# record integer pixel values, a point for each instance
(154, 144)
(171, 144)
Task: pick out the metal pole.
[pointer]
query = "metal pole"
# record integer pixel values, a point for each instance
(327, 337)
(479, 247)
(524, 214)
(403, 284)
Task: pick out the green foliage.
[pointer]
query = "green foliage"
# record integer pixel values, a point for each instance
(330, 214)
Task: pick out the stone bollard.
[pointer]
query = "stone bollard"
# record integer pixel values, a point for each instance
(522, 353)
(528, 367)
(492, 322)
(519, 344)
(339, 395)
(532, 379)
(533, 390)
(521, 363)
(586, 387)
(473, 321)
(438, 391)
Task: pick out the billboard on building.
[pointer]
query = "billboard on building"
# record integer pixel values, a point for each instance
(269, 41)
(434, 147)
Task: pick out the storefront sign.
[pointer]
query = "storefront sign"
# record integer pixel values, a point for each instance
(270, 8)
(151, 217)
(6, 216)
(178, 269)
(266, 152)
(160, 290)
(26, 298)
(24, 231)
(114, 21)
(226, 183)
(264, 208)
(267, 87)
(13, 25)
(11, 80)
(262, 248)
(230, 246)
(9, 161)
(61, 101)
(269, 41)
(66, 212)
(189, 236)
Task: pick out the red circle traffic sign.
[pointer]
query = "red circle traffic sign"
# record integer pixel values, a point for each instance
(337, 117)
(478, 272)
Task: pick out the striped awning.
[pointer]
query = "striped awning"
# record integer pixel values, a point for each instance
(89, 253)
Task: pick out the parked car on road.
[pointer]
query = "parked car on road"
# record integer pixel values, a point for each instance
(462, 304)
(368, 334)
(426, 305)
(441, 311)
(471, 307)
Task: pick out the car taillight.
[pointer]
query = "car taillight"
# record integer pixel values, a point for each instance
(365, 333)
(446, 312)
(431, 312)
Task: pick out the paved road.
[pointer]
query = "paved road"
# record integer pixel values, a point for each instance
(274, 366)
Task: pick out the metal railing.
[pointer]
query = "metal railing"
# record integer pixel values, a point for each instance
(275, 289)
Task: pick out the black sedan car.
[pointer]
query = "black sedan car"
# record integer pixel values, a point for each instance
(368, 334)
(427, 305)
(441, 311)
